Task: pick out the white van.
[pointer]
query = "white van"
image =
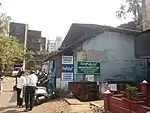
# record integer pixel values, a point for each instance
(15, 71)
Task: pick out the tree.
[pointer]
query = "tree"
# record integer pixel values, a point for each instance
(29, 55)
(35, 62)
(122, 12)
(133, 7)
(10, 51)
(4, 24)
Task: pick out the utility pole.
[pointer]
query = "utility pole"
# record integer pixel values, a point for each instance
(25, 46)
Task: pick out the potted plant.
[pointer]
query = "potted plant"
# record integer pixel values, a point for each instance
(131, 92)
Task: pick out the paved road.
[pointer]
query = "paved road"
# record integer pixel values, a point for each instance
(8, 101)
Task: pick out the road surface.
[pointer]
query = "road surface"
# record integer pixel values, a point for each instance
(8, 102)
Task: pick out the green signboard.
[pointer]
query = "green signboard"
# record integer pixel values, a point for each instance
(88, 67)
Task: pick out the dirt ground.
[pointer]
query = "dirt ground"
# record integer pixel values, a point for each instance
(8, 103)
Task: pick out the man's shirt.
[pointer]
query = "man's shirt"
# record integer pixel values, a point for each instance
(21, 81)
(31, 80)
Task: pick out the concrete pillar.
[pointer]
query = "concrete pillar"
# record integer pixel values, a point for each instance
(145, 89)
(107, 96)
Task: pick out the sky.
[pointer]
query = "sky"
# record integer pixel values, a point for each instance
(54, 17)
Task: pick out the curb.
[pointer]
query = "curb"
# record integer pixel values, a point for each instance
(96, 105)
(65, 99)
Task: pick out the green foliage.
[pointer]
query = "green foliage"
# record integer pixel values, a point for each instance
(131, 92)
(10, 51)
(29, 55)
(34, 61)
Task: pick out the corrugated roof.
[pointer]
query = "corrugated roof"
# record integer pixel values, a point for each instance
(81, 32)
(51, 55)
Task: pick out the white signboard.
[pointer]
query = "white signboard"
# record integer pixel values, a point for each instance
(67, 76)
(89, 78)
(58, 83)
(67, 59)
(112, 87)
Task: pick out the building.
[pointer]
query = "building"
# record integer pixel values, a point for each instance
(142, 40)
(31, 39)
(53, 45)
(19, 31)
(50, 45)
(112, 47)
(34, 40)
(110, 50)
(43, 43)
(145, 14)
(58, 42)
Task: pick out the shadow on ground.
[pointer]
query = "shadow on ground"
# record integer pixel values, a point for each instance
(13, 98)
(5, 108)
(8, 91)
(11, 111)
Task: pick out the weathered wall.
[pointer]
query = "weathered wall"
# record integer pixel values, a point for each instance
(146, 14)
(115, 51)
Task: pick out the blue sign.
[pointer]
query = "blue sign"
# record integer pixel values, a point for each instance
(67, 68)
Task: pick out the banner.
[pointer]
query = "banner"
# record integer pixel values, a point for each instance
(88, 67)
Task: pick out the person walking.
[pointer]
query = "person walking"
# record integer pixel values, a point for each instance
(31, 82)
(1, 81)
(21, 81)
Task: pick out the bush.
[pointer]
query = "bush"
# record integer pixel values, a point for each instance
(131, 92)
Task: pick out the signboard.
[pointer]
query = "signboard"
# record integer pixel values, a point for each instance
(67, 59)
(67, 68)
(67, 76)
(89, 78)
(88, 67)
(112, 87)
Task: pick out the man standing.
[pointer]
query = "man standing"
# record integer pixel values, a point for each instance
(31, 82)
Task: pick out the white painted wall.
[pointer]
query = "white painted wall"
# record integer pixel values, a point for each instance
(121, 63)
